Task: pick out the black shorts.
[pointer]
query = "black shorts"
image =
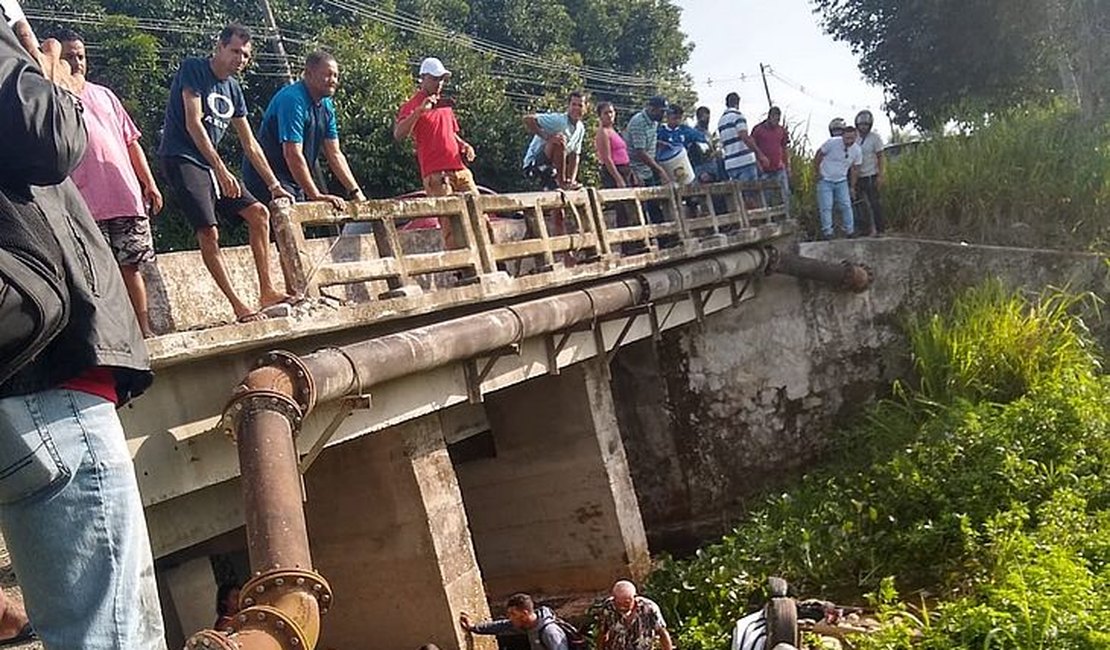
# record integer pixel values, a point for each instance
(196, 188)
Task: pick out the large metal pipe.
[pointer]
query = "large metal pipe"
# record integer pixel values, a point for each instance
(844, 275)
(285, 598)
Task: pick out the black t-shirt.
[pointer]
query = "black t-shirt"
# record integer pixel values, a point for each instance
(220, 100)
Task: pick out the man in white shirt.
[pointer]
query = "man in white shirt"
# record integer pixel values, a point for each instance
(837, 166)
(872, 169)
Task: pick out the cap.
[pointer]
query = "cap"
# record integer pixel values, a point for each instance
(674, 109)
(658, 101)
(434, 67)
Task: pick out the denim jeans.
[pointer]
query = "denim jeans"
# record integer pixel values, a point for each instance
(774, 197)
(73, 521)
(829, 192)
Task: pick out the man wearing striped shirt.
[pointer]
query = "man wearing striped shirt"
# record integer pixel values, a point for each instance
(740, 152)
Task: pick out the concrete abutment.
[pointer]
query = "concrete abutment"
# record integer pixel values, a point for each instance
(389, 531)
(552, 507)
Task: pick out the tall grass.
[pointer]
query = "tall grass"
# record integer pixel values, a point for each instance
(983, 482)
(1036, 176)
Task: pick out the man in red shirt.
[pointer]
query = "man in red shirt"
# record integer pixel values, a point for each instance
(440, 150)
(774, 142)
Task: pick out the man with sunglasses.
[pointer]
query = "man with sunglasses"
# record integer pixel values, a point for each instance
(837, 166)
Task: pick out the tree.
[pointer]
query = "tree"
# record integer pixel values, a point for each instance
(949, 59)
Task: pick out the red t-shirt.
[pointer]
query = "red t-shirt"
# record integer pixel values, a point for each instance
(772, 141)
(97, 381)
(437, 149)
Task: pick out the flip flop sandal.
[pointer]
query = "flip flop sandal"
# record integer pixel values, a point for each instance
(252, 317)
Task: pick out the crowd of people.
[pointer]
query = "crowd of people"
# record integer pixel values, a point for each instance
(623, 621)
(81, 192)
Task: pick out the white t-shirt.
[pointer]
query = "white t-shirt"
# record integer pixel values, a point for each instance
(871, 147)
(838, 159)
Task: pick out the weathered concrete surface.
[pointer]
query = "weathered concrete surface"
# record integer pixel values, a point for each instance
(389, 531)
(183, 295)
(750, 401)
(553, 509)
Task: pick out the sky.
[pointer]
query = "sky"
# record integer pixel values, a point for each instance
(808, 69)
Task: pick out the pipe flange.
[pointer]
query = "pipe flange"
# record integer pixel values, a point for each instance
(304, 387)
(254, 401)
(211, 640)
(286, 580)
(275, 623)
(773, 259)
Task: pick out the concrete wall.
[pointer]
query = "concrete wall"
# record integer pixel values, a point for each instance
(389, 531)
(714, 417)
(554, 510)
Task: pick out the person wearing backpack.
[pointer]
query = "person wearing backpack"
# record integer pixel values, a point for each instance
(544, 629)
(70, 352)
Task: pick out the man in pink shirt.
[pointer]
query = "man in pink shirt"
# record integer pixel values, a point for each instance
(114, 177)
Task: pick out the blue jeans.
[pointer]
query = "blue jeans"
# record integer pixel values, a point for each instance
(747, 173)
(72, 518)
(773, 197)
(829, 192)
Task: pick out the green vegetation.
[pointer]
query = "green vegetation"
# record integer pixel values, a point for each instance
(1031, 177)
(979, 491)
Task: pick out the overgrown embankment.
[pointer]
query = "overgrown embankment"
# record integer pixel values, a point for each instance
(1034, 177)
(980, 485)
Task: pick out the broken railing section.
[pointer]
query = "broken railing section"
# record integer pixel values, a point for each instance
(285, 598)
(580, 227)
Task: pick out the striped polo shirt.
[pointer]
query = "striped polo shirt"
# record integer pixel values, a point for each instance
(736, 151)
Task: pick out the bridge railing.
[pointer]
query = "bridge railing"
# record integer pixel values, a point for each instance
(499, 237)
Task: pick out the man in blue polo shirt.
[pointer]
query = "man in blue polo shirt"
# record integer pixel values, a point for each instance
(298, 124)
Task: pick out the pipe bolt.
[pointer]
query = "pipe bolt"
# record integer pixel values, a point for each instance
(279, 581)
(300, 581)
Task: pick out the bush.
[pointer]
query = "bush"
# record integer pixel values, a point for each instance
(1036, 176)
(980, 484)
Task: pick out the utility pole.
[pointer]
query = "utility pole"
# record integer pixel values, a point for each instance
(762, 73)
(279, 46)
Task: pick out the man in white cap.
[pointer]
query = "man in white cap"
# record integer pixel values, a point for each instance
(440, 151)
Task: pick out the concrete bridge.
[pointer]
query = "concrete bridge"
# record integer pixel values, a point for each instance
(496, 462)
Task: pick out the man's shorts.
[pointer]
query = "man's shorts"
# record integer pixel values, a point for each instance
(129, 238)
(196, 188)
(449, 182)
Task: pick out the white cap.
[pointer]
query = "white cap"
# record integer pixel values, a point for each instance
(434, 67)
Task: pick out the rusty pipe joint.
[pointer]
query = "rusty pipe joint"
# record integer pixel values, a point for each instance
(280, 382)
(844, 276)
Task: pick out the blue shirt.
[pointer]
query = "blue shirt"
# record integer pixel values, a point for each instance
(676, 140)
(221, 100)
(551, 124)
(292, 116)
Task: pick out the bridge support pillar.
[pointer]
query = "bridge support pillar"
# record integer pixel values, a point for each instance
(388, 529)
(552, 508)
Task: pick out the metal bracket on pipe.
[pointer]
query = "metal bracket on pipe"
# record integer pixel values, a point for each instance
(738, 296)
(475, 377)
(632, 313)
(346, 407)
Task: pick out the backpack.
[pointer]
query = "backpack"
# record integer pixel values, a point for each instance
(576, 640)
(34, 295)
